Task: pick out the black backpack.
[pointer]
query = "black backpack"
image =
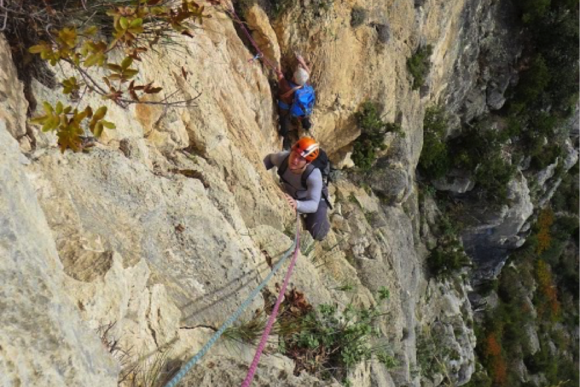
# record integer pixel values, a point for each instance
(321, 163)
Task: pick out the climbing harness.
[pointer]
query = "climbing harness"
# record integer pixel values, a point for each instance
(267, 61)
(271, 320)
(193, 361)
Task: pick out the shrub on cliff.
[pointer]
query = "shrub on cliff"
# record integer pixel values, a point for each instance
(532, 83)
(448, 257)
(358, 16)
(434, 160)
(323, 341)
(533, 10)
(419, 65)
(373, 130)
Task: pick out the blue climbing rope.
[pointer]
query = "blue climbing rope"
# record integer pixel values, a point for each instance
(177, 378)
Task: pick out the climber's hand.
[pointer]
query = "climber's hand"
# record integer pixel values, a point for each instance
(291, 201)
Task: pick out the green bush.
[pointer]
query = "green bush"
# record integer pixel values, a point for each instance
(434, 160)
(566, 197)
(276, 8)
(551, 82)
(358, 16)
(373, 130)
(493, 175)
(419, 65)
(330, 342)
(532, 10)
(479, 150)
(448, 257)
(479, 378)
(531, 85)
(545, 156)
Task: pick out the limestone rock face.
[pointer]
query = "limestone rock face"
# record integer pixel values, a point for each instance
(13, 105)
(499, 230)
(455, 182)
(43, 341)
(263, 33)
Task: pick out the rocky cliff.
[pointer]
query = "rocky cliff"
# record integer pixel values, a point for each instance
(160, 230)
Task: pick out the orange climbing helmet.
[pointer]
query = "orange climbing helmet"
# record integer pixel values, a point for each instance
(307, 148)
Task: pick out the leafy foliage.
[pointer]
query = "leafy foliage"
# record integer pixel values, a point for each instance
(86, 37)
(550, 76)
(544, 237)
(547, 289)
(373, 130)
(434, 161)
(336, 341)
(324, 341)
(433, 353)
(419, 65)
(448, 257)
(477, 150)
(532, 83)
(67, 123)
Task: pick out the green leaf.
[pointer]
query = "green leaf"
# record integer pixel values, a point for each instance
(124, 22)
(128, 61)
(91, 30)
(38, 48)
(136, 23)
(48, 108)
(130, 73)
(136, 30)
(108, 125)
(98, 58)
(68, 137)
(114, 67)
(98, 129)
(47, 127)
(100, 113)
(68, 36)
(59, 107)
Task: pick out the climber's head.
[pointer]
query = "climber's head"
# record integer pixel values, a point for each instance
(304, 151)
(300, 76)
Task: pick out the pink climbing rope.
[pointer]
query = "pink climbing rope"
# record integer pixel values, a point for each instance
(249, 36)
(272, 318)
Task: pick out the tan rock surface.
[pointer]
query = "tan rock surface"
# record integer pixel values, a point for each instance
(13, 105)
(43, 342)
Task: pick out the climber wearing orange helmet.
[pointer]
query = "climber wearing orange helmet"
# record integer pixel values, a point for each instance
(305, 190)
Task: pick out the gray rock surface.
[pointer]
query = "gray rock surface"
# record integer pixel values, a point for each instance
(43, 341)
(489, 241)
(455, 182)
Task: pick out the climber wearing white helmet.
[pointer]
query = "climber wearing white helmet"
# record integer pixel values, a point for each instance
(295, 100)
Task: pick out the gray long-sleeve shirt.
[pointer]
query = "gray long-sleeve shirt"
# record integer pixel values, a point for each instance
(307, 200)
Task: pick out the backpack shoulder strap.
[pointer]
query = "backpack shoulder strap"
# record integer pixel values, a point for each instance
(283, 167)
(306, 174)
